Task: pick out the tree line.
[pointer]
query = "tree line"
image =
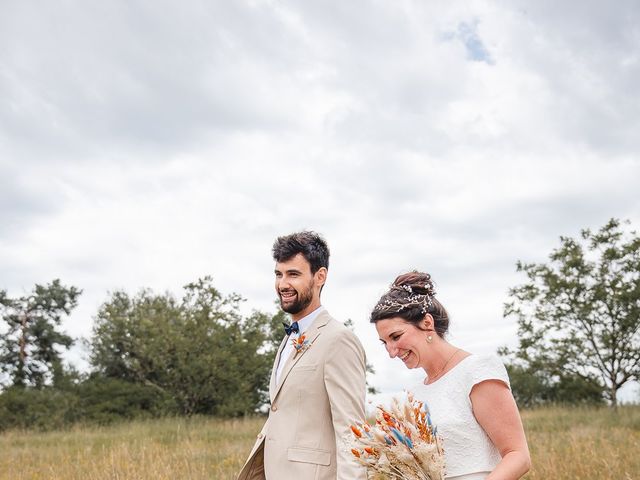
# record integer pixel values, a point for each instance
(152, 354)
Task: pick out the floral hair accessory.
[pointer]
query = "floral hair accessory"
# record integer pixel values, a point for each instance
(401, 297)
(403, 443)
(300, 344)
(413, 300)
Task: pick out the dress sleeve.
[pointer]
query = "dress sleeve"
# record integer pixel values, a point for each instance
(487, 367)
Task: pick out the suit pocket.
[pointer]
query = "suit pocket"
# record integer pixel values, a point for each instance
(307, 368)
(309, 455)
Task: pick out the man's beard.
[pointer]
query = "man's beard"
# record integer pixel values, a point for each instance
(303, 300)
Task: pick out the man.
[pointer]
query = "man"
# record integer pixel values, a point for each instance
(317, 386)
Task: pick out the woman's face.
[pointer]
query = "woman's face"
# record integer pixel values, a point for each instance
(403, 340)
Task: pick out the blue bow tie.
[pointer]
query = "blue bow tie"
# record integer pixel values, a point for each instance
(293, 328)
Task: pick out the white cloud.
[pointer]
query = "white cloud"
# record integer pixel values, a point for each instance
(147, 144)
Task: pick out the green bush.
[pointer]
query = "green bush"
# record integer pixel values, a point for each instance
(104, 400)
(42, 409)
(534, 387)
(94, 401)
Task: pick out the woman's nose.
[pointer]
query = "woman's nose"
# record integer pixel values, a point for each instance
(392, 351)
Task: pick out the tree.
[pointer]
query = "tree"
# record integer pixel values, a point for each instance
(29, 349)
(579, 315)
(129, 334)
(200, 350)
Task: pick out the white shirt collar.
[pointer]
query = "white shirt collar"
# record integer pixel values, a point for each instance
(306, 321)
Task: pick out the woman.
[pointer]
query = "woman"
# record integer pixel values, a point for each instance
(468, 395)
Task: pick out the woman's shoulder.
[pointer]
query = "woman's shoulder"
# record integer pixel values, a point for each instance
(469, 371)
(476, 360)
(483, 367)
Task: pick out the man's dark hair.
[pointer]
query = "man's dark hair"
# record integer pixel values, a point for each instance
(310, 244)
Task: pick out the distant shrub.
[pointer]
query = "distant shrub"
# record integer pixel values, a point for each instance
(104, 400)
(94, 401)
(42, 409)
(535, 387)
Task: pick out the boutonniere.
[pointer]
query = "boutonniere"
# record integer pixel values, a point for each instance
(300, 344)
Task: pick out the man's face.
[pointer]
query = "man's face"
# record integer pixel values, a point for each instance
(297, 288)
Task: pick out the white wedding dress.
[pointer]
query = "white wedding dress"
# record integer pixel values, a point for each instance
(469, 453)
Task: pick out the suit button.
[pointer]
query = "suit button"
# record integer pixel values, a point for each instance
(260, 436)
(274, 408)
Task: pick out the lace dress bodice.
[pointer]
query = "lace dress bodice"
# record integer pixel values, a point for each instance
(469, 453)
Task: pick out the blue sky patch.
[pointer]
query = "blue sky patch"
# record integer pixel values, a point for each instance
(476, 50)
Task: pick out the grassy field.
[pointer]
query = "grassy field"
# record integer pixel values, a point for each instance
(584, 443)
(565, 444)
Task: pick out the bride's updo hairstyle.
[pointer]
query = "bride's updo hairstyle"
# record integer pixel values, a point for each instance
(411, 297)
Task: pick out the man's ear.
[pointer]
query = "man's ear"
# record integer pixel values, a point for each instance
(321, 276)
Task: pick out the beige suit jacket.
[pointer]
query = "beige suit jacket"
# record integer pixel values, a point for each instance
(320, 394)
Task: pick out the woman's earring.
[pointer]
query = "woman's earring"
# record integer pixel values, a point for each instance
(429, 339)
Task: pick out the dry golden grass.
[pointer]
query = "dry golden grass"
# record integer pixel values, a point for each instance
(197, 448)
(584, 443)
(566, 444)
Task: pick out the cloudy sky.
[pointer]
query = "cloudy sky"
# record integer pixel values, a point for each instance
(149, 143)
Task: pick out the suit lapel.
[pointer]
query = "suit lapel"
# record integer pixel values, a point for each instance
(311, 334)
